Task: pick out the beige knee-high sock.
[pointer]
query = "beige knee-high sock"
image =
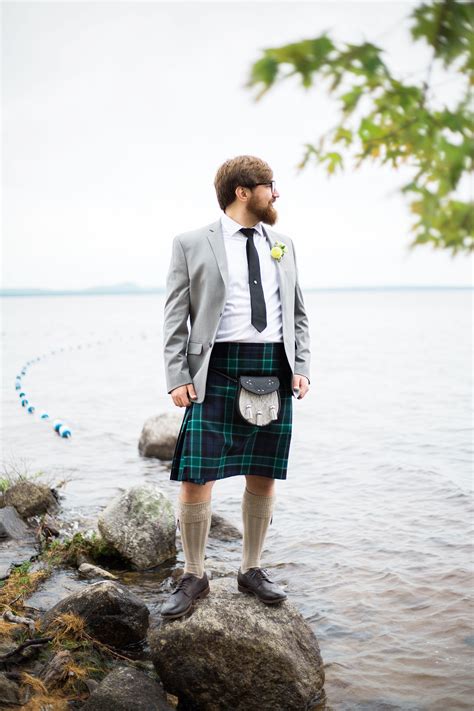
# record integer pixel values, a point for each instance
(194, 524)
(256, 515)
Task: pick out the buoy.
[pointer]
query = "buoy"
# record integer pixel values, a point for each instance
(57, 424)
(31, 408)
(24, 402)
(44, 416)
(64, 431)
(22, 394)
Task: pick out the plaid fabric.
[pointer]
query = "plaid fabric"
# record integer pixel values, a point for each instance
(213, 443)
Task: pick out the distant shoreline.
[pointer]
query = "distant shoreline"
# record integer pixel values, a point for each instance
(138, 291)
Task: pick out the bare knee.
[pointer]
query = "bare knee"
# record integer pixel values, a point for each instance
(261, 485)
(194, 493)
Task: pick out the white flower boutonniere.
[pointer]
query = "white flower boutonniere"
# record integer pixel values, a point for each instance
(278, 250)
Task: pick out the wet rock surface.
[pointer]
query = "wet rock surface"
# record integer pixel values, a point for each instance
(112, 614)
(234, 652)
(17, 540)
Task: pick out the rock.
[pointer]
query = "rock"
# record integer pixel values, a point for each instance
(222, 529)
(159, 435)
(17, 541)
(11, 525)
(235, 652)
(30, 499)
(89, 571)
(55, 670)
(218, 569)
(9, 692)
(112, 614)
(140, 524)
(126, 688)
(50, 527)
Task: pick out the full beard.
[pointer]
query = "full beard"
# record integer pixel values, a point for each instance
(266, 214)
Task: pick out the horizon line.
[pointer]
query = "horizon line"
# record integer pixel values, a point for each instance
(126, 288)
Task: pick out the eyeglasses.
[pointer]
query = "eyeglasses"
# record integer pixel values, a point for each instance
(271, 184)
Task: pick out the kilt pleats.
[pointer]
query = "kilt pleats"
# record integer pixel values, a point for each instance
(213, 442)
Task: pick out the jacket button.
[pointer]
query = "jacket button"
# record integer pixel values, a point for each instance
(210, 345)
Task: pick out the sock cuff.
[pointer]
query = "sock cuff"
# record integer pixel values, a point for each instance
(257, 505)
(191, 513)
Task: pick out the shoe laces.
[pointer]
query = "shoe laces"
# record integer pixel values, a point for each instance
(182, 583)
(261, 573)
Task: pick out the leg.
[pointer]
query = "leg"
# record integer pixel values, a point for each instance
(192, 493)
(257, 509)
(194, 520)
(261, 485)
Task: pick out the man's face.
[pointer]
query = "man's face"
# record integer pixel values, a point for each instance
(261, 202)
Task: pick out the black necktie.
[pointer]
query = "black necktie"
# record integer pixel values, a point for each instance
(257, 299)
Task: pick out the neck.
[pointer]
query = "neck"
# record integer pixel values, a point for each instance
(242, 216)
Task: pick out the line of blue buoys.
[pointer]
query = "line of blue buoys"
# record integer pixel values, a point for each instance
(60, 427)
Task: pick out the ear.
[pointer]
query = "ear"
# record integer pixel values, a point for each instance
(241, 193)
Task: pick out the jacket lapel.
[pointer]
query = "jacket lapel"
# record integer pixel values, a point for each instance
(281, 269)
(216, 240)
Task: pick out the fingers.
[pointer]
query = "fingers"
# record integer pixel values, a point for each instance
(303, 391)
(300, 387)
(184, 395)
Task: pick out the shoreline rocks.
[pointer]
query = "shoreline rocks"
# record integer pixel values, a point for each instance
(234, 652)
(159, 435)
(112, 614)
(30, 499)
(140, 524)
(127, 688)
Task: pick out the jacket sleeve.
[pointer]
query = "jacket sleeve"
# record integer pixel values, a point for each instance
(176, 313)
(302, 337)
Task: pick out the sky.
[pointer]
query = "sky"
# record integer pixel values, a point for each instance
(117, 115)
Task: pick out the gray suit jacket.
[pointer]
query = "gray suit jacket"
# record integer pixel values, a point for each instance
(196, 287)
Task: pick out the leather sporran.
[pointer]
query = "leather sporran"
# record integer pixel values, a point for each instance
(257, 400)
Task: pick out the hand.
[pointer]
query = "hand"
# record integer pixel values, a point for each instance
(184, 395)
(301, 382)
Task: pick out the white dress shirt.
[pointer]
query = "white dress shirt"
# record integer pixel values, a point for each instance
(235, 324)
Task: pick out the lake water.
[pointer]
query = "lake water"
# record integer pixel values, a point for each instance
(372, 530)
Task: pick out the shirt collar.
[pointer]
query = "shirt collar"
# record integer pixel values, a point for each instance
(231, 227)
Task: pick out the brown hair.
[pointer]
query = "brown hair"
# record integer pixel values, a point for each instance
(242, 170)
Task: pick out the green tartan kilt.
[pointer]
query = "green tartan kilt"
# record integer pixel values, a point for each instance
(213, 442)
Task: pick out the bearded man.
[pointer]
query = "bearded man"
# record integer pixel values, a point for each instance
(236, 280)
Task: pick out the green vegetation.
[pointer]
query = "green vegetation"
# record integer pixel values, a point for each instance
(390, 120)
(69, 550)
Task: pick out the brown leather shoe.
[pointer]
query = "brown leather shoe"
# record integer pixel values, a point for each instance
(257, 582)
(181, 600)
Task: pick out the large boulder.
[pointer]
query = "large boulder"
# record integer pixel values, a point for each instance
(30, 499)
(159, 435)
(112, 614)
(235, 652)
(126, 688)
(141, 525)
